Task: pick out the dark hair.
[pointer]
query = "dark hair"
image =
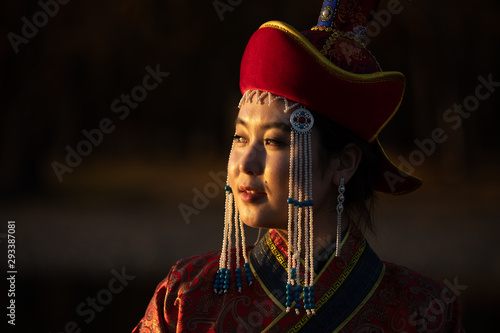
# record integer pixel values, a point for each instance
(359, 194)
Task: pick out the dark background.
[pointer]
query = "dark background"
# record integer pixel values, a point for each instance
(119, 208)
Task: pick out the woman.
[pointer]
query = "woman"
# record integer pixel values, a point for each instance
(304, 164)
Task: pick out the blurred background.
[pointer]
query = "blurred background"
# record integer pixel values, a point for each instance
(120, 207)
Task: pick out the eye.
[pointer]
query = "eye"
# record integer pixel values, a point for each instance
(239, 139)
(273, 142)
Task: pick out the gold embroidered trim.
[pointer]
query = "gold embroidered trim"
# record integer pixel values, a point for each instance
(375, 286)
(264, 287)
(279, 256)
(346, 237)
(334, 36)
(341, 279)
(338, 33)
(278, 318)
(282, 314)
(377, 77)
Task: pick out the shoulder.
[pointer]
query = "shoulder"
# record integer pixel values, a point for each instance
(422, 300)
(401, 284)
(407, 301)
(196, 268)
(199, 260)
(402, 277)
(185, 276)
(193, 267)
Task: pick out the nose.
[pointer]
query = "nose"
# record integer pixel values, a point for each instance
(253, 160)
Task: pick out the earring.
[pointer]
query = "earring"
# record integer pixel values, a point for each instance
(300, 213)
(300, 205)
(340, 209)
(232, 218)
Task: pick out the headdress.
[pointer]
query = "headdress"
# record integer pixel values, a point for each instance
(329, 70)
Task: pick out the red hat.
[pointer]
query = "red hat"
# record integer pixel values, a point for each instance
(329, 70)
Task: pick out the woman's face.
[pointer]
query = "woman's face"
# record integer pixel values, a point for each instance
(259, 164)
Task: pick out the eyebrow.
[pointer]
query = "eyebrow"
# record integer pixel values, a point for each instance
(266, 126)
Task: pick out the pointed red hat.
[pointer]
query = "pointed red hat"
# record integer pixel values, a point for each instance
(329, 70)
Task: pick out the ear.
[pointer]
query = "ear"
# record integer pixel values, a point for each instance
(347, 163)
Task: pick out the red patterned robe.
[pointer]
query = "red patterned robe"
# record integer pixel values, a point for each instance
(355, 292)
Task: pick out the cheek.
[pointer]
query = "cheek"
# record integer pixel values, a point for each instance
(232, 167)
(277, 175)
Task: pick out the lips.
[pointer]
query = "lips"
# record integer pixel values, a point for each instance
(250, 194)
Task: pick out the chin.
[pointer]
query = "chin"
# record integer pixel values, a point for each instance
(264, 223)
(263, 216)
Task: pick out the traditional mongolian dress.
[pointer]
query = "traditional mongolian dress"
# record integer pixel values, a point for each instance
(329, 70)
(356, 292)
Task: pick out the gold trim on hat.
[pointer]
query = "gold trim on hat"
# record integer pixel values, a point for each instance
(327, 64)
(337, 71)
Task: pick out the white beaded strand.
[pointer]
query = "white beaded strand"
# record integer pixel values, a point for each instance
(307, 249)
(310, 209)
(300, 213)
(246, 265)
(302, 122)
(290, 218)
(237, 227)
(222, 261)
(300, 202)
(311, 226)
(243, 240)
(224, 235)
(220, 280)
(229, 232)
(295, 209)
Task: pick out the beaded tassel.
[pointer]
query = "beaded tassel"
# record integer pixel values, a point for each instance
(246, 265)
(291, 208)
(300, 203)
(307, 247)
(300, 213)
(310, 222)
(223, 276)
